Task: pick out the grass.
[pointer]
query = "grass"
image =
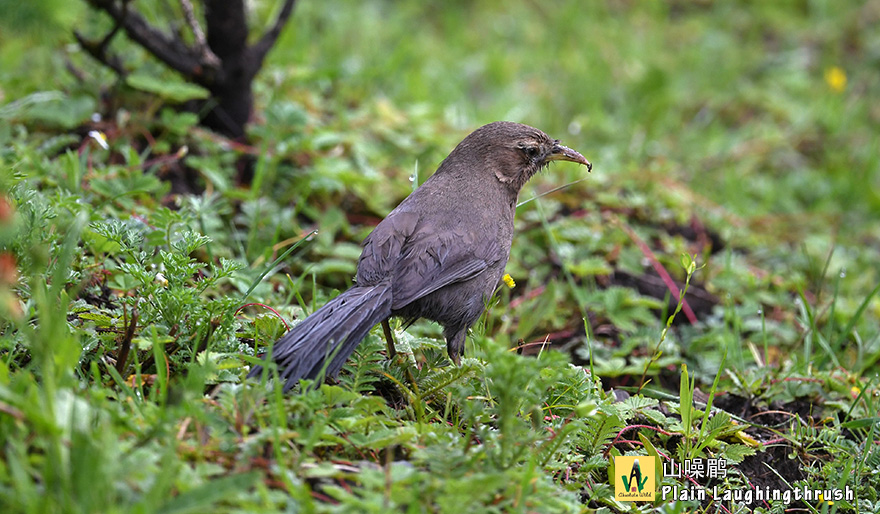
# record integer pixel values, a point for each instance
(138, 281)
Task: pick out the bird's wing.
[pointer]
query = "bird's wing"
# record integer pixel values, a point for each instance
(434, 259)
(383, 247)
(420, 259)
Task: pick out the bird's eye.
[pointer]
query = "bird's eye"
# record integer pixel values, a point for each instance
(531, 151)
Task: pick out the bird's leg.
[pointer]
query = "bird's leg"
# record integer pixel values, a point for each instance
(389, 339)
(455, 337)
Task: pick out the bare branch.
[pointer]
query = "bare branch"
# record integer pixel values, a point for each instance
(110, 35)
(125, 344)
(98, 50)
(262, 47)
(201, 45)
(77, 73)
(172, 52)
(219, 58)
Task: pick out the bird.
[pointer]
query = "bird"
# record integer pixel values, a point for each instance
(438, 255)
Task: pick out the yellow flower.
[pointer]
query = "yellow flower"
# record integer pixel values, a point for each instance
(821, 498)
(836, 79)
(507, 279)
(855, 391)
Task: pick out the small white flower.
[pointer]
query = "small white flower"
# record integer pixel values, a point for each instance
(99, 136)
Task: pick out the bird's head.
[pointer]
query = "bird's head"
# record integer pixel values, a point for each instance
(515, 152)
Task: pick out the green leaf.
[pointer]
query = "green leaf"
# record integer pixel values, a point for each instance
(189, 242)
(635, 404)
(51, 108)
(122, 282)
(590, 267)
(686, 395)
(860, 423)
(167, 89)
(735, 453)
(209, 493)
(385, 437)
(100, 320)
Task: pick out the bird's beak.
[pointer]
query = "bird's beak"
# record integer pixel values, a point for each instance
(564, 153)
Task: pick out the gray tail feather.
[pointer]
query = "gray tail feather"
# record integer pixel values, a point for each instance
(332, 332)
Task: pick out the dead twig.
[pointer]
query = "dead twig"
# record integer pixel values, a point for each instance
(265, 43)
(125, 344)
(201, 43)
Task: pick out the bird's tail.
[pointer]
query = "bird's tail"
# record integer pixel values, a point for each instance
(332, 332)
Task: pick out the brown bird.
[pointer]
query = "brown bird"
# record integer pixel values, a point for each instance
(438, 255)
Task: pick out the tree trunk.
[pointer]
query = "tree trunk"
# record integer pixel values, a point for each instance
(231, 102)
(223, 63)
